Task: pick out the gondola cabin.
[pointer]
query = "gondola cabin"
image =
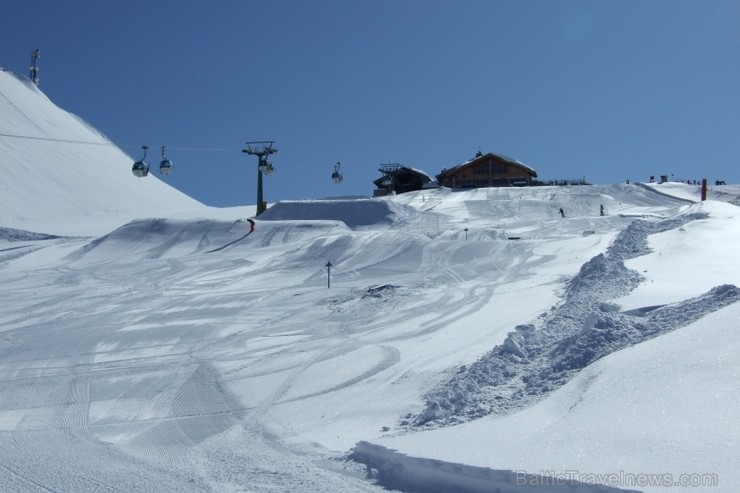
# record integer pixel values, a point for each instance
(166, 167)
(140, 169)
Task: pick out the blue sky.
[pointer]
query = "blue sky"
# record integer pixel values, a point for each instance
(606, 90)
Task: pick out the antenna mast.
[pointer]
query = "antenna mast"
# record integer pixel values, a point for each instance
(34, 75)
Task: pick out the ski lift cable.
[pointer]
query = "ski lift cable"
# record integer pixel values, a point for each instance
(66, 141)
(108, 143)
(186, 149)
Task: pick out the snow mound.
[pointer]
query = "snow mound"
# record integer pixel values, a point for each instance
(534, 361)
(168, 238)
(354, 213)
(398, 471)
(692, 193)
(11, 234)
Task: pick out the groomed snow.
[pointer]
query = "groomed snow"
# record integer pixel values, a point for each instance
(663, 411)
(155, 345)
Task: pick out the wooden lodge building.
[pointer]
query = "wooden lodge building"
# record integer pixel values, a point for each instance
(487, 170)
(484, 170)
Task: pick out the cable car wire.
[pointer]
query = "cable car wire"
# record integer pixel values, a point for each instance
(124, 146)
(66, 141)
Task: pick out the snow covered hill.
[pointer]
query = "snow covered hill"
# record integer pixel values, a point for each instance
(470, 341)
(62, 176)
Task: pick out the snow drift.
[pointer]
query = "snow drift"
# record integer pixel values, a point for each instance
(354, 213)
(537, 359)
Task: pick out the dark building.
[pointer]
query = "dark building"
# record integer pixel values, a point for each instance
(399, 179)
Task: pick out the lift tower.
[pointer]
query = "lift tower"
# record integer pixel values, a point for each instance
(261, 149)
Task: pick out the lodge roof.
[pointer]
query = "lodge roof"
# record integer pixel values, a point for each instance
(481, 157)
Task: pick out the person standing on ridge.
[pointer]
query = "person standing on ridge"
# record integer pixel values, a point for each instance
(562, 213)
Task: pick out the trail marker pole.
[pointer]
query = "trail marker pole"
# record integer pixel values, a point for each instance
(328, 274)
(466, 234)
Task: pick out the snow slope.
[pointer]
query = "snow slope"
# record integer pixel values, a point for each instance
(659, 416)
(62, 176)
(174, 351)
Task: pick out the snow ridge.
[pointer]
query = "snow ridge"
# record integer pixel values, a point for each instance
(354, 213)
(534, 361)
(397, 471)
(12, 234)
